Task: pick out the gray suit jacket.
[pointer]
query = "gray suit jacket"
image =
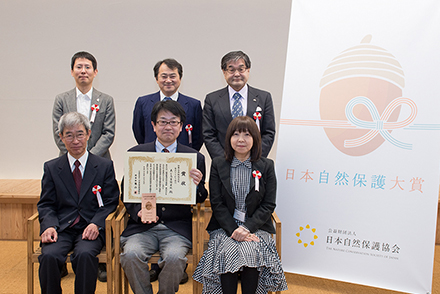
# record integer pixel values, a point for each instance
(217, 116)
(103, 129)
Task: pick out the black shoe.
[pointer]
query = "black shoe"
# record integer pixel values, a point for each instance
(184, 278)
(64, 271)
(154, 274)
(102, 272)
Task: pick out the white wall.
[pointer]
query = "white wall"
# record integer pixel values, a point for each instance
(128, 37)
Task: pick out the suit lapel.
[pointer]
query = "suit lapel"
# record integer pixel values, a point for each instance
(96, 97)
(253, 101)
(224, 105)
(154, 99)
(224, 171)
(89, 176)
(65, 174)
(71, 100)
(184, 102)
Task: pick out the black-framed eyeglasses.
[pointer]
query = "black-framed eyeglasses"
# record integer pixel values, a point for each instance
(173, 123)
(240, 69)
(71, 137)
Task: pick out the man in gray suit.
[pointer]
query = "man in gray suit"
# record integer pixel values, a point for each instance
(96, 106)
(237, 99)
(85, 99)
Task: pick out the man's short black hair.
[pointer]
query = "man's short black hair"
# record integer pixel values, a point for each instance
(86, 55)
(171, 63)
(171, 106)
(235, 56)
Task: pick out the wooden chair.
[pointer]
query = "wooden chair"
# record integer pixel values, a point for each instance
(106, 256)
(206, 213)
(121, 281)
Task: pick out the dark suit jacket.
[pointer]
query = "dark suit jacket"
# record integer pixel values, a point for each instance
(217, 116)
(259, 205)
(103, 129)
(59, 203)
(143, 130)
(176, 217)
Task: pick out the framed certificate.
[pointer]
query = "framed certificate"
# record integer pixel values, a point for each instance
(165, 174)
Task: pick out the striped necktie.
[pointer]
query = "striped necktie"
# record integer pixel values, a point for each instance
(237, 108)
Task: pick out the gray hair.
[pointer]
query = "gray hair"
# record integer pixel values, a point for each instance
(72, 119)
(235, 56)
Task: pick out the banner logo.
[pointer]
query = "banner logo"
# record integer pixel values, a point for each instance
(361, 100)
(306, 236)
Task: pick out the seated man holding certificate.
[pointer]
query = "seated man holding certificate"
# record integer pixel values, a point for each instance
(171, 232)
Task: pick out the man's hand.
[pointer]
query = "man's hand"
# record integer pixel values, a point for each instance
(91, 232)
(149, 222)
(50, 235)
(196, 175)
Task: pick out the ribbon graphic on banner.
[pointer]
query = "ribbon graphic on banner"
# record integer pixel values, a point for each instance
(379, 125)
(95, 109)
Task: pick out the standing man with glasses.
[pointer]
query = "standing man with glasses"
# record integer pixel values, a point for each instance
(96, 106)
(237, 99)
(78, 192)
(168, 74)
(171, 233)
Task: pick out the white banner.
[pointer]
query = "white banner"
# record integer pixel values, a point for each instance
(359, 142)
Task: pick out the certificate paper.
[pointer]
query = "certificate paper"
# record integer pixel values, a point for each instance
(166, 174)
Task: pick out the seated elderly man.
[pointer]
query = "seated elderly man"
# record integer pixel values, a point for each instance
(78, 192)
(171, 233)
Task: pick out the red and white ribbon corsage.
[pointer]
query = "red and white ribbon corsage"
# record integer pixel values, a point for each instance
(97, 191)
(257, 175)
(257, 117)
(95, 109)
(189, 128)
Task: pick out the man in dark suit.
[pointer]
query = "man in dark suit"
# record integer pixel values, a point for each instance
(168, 74)
(237, 99)
(85, 99)
(95, 105)
(78, 191)
(171, 233)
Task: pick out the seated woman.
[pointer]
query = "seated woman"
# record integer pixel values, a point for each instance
(242, 194)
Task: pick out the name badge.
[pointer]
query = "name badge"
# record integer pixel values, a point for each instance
(239, 215)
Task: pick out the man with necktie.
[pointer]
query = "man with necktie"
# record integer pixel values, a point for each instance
(78, 192)
(237, 99)
(168, 74)
(171, 233)
(95, 105)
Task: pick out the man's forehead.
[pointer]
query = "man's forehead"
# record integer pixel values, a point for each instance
(82, 61)
(74, 129)
(233, 63)
(164, 69)
(163, 114)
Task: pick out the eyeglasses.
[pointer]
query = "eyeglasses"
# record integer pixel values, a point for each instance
(232, 70)
(71, 137)
(173, 123)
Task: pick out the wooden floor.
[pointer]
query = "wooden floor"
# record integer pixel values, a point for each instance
(13, 277)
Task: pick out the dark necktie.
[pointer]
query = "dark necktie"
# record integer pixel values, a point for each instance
(237, 108)
(165, 150)
(78, 180)
(77, 176)
(166, 98)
